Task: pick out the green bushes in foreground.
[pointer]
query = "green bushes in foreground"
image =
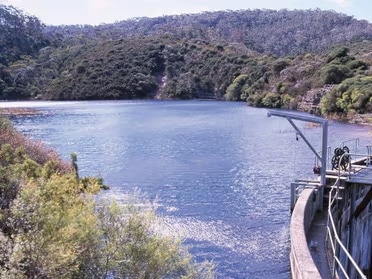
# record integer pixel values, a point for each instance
(52, 226)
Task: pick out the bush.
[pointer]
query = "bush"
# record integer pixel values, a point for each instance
(352, 95)
(334, 74)
(272, 100)
(337, 53)
(357, 64)
(52, 226)
(280, 65)
(234, 90)
(59, 233)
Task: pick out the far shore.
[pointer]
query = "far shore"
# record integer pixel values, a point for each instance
(29, 108)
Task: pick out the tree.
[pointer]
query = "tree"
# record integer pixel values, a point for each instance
(19, 34)
(334, 74)
(234, 90)
(272, 100)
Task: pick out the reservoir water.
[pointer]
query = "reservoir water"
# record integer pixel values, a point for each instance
(220, 172)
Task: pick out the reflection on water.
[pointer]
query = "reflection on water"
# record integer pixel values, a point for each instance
(219, 172)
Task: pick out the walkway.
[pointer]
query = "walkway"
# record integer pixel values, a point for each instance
(316, 239)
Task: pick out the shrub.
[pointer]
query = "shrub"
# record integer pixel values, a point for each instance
(352, 95)
(357, 64)
(337, 53)
(59, 233)
(280, 65)
(53, 226)
(334, 74)
(234, 90)
(272, 100)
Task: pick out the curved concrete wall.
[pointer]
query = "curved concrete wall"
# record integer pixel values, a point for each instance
(302, 263)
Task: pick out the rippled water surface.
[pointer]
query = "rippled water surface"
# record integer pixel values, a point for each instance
(220, 171)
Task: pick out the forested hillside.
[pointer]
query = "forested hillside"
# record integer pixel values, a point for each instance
(281, 32)
(312, 60)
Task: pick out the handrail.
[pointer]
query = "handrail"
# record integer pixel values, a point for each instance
(332, 231)
(355, 140)
(336, 237)
(298, 186)
(316, 159)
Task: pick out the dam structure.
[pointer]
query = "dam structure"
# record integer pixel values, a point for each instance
(331, 216)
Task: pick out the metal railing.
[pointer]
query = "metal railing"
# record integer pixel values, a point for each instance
(317, 161)
(298, 186)
(354, 147)
(332, 234)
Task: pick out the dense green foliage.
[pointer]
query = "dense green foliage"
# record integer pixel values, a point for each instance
(281, 32)
(20, 34)
(280, 59)
(149, 68)
(353, 95)
(51, 226)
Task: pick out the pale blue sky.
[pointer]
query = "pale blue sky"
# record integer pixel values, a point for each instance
(56, 12)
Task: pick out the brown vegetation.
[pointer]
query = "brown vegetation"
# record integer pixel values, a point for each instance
(19, 111)
(36, 150)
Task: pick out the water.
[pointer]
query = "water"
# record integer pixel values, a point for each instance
(219, 172)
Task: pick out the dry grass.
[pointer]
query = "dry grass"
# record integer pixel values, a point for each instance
(19, 111)
(36, 150)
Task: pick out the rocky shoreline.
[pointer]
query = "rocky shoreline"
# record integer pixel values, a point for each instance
(361, 119)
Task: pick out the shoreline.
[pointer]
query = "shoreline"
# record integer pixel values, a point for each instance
(20, 109)
(361, 119)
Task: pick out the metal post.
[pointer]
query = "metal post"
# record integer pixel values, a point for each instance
(323, 171)
(293, 195)
(369, 151)
(290, 116)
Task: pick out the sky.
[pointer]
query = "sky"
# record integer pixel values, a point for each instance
(94, 12)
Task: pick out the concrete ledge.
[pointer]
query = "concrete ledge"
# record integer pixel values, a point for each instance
(302, 263)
